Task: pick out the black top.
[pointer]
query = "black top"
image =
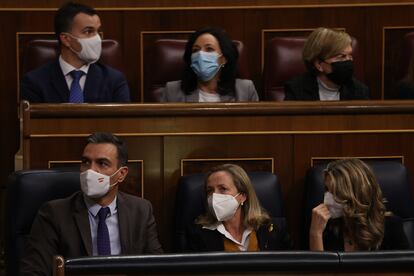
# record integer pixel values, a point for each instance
(272, 236)
(305, 88)
(394, 236)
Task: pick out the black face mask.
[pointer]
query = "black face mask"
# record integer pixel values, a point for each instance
(342, 72)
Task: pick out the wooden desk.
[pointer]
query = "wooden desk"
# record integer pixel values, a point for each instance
(168, 140)
(245, 263)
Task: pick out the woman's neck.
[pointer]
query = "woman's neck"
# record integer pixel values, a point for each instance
(235, 226)
(209, 86)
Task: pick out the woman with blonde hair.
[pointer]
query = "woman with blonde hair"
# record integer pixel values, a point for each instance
(353, 216)
(234, 220)
(327, 55)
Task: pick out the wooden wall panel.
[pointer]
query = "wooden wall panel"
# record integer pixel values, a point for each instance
(168, 4)
(203, 165)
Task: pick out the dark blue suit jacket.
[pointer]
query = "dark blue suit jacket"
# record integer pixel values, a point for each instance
(47, 84)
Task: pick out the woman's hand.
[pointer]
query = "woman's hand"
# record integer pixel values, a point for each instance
(320, 217)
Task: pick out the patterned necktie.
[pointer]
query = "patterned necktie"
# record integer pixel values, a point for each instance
(76, 93)
(103, 243)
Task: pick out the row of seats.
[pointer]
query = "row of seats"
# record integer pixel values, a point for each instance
(283, 61)
(392, 177)
(28, 190)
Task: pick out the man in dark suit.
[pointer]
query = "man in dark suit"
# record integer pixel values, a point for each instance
(76, 76)
(99, 220)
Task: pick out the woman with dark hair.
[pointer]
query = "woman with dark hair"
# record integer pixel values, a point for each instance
(353, 216)
(210, 71)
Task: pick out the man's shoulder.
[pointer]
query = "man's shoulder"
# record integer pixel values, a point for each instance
(43, 70)
(57, 207)
(133, 200)
(65, 201)
(106, 70)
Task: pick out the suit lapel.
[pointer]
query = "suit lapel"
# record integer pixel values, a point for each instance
(311, 87)
(212, 240)
(345, 91)
(59, 82)
(123, 224)
(93, 83)
(82, 221)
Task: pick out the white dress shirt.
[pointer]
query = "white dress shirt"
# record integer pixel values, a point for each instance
(67, 68)
(243, 245)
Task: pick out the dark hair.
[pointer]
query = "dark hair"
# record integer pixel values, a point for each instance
(64, 16)
(226, 84)
(106, 137)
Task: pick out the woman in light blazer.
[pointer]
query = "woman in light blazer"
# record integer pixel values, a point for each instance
(210, 71)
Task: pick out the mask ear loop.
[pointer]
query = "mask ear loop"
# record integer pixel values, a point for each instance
(224, 63)
(112, 185)
(241, 203)
(77, 39)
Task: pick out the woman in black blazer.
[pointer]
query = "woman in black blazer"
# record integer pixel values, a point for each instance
(234, 220)
(327, 55)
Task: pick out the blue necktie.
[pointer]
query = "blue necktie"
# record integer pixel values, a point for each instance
(103, 243)
(76, 94)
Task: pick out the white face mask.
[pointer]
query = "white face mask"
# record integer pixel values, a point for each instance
(91, 48)
(335, 208)
(223, 206)
(94, 184)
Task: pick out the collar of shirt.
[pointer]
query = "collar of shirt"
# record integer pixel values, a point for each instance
(67, 68)
(94, 207)
(220, 227)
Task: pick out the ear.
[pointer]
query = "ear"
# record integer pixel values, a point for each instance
(223, 60)
(65, 39)
(243, 197)
(317, 65)
(123, 174)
